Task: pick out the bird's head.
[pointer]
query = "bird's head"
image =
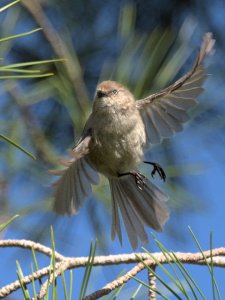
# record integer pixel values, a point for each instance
(111, 93)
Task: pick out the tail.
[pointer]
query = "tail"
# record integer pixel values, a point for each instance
(138, 207)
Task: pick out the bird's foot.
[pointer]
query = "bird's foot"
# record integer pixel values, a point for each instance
(157, 168)
(139, 178)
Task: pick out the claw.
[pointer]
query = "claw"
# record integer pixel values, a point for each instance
(139, 178)
(157, 168)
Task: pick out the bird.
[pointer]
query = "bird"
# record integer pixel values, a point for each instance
(114, 139)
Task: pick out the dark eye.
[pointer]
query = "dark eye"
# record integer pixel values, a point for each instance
(115, 92)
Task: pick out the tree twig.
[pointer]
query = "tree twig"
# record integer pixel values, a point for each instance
(66, 263)
(26, 244)
(152, 284)
(189, 258)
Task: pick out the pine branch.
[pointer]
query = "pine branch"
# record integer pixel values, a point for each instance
(65, 263)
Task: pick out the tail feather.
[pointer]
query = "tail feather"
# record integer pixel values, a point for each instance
(127, 215)
(116, 229)
(149, 203)
(138, 207)
(133, 222)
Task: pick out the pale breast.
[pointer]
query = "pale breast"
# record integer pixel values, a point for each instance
(118, 142)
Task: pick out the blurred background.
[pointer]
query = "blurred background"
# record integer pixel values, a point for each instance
(145, 45)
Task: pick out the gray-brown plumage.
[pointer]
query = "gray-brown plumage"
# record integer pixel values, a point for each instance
(113, 143)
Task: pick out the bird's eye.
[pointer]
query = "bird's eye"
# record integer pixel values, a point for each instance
(115, 92)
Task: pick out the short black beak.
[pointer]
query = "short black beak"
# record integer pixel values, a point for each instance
(100, 94)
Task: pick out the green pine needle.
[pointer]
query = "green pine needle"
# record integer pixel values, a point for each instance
(158, 277)
(20, 278)
(52, 264)
(33, 283)
(4, 225)
(71, 285)
(214, 283)
(17, 145)
(87, 272)
(64, 286)
(9, 5)
(152, 289)
(32, 63)
(11, 37)
(25, 76)
(187, 277)
(136, 292)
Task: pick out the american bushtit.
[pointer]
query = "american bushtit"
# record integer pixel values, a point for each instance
(113, 143)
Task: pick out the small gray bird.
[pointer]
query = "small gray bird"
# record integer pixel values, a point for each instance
(112, 143)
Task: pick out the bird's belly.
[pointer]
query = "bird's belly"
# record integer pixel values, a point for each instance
(115, 153)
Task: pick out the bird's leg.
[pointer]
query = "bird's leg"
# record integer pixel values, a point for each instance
(139, 178)
(157, 168)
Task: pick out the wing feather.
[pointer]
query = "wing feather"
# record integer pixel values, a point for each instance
(74, 185)
(164, 129)
(170, 120)
(151, 129)
(163, 113)
(181, 102)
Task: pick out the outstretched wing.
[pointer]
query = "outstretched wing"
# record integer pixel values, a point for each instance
(74, 185)
(163, 113)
